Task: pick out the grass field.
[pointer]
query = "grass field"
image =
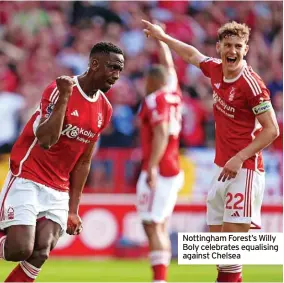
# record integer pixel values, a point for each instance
(137, 271)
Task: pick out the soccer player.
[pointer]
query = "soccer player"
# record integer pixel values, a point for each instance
(50, 162)
(161, 177)
(245, 124)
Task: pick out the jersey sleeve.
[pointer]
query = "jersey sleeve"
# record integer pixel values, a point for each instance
(49, 98)
(158, 109)
(208, 64)
(258, 96)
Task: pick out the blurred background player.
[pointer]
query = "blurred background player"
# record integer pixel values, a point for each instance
(51, 160)
(161, 177)
(245, 125)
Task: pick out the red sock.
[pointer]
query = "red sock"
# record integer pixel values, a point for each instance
(159, 262)
(228, 277)
(229, 273)
(240, 279)
(159, 272)
(23, 272)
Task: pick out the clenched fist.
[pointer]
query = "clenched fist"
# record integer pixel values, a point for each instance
(74, 224)
(65, 85)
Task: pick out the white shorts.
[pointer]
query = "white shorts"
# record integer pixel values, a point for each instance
(237, 200)
(158, 204)
(23, 201)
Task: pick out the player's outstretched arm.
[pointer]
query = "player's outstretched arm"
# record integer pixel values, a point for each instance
(49, 130)
(189, 53)
(78, 179)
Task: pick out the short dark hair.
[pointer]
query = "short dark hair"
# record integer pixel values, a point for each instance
(105, 47)
(158, 72)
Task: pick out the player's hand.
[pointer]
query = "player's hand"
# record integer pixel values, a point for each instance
(74, 224)
(151, 179)
(153, 30)
(65, 85)
(231, 169)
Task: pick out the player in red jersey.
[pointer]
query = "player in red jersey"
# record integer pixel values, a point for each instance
(245, 124)
(50, 161)
(161, 177)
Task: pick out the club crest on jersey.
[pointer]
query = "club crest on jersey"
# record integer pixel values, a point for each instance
(232, 94)
(100, 120)
(10, 213)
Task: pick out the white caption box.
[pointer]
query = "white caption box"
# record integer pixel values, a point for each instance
(230, 248)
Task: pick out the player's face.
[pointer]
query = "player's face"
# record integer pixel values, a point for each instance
(232, 50)
(108, 70)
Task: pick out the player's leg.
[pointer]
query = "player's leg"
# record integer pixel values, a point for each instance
(17, 219)
(215, 214)
(47, 235)
(242, 209)
(154, 207)
(51, 224)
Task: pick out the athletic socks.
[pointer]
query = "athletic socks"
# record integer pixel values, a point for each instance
(23, 272)
(159, 261)
(229, 273)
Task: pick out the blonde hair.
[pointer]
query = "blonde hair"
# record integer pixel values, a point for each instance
(234, 29)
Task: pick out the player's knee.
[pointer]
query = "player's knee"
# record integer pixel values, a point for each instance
(152, 228)
(18, 252)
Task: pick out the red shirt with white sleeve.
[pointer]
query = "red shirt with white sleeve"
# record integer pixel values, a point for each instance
(162, 105)
(237, 102)
(84, 120)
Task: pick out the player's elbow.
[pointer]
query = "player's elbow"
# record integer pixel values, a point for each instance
(275, 132)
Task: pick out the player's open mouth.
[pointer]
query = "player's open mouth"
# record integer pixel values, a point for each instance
(231, 60)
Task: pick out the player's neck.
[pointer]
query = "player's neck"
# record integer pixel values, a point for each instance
(86, 85)
(230, 75)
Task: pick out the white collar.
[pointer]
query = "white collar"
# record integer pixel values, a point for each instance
(238, 76)
(95, 97)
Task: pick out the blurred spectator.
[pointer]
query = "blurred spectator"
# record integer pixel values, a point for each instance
(40, 40)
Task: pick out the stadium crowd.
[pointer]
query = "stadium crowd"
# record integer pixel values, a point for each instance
(42, 40)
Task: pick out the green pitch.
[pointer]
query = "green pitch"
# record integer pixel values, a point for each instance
(137, 271)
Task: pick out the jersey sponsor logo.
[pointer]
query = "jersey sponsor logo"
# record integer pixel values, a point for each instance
(232, 94)
(262, 107)
(75, 113)
(74, 132)
(223, 106)
(217, 85)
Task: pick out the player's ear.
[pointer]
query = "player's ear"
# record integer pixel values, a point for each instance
(246, 50)
(218, 47)
(94, 64)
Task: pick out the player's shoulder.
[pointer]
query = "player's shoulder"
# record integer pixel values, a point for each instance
(216, 61)
(105, 101)
(51, 92)
(251, 81)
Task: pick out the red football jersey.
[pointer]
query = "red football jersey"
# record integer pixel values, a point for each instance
(162, 105)
(237, 102)
(85, 118)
